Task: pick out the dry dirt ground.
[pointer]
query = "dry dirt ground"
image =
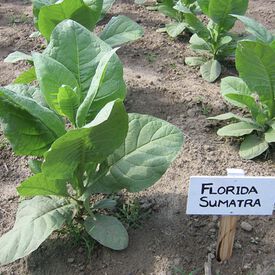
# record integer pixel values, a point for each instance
(170, 242)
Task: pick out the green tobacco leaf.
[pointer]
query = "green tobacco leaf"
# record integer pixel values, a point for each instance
(105, 204)
(174, 29)
(252, 147)
(92, 143)
(85, 12)
(256, 66)
(82, 59)
(182, 7)
(107, 5)
(247, 101)
(39, 185)
(17, 56)
(26, 77)
(198, 27)
(237, 129)
(68, 101)
(166, 7)
(36, 219)
(219, 10)
(120, 30)
(228, 116)
(194, 61)
(198, 44)
(270, 135)
(211, 70)
(234, 85)
(149, 148)
(108, 231)
(256, 29)
(83, 110)
(51, 75)
(30, 127)
(35, 166)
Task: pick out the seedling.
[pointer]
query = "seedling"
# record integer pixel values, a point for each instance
(102, 150)
(253, 91)
(213, 43)
(176, 11)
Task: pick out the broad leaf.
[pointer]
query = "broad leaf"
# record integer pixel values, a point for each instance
(195, 60)
(92, 143)
(82, 59)
(256, 66)
(198, 44)
(68, 101)
(36, 219)
(256, 29)
(51, 75)
(174, 29)
(17, 56)
(83, 110)
(252, 147)
(35, 166)
(120, 30)
(167, 8)
(85, 12)
(39, 185)
(219, 10)
(237, 129)
(234, 85)
(228, 116)
(270, 135)
(26, 77)
(30, 127)
(150, 147)
(108, 231)
(211, 70)
(107, 5)
(105, 204)
(197, 26)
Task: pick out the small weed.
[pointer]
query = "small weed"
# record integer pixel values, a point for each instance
(19, 19)
(151, 57)
(79, 237)
(132, 214)
(173, 66)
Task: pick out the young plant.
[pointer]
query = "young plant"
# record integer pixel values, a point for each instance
(255, 92)
(76, 124)
(214, 43)
(176, 11)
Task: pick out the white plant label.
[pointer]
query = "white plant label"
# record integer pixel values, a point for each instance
(231, 195)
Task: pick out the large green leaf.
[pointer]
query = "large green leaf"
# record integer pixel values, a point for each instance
(17, 56)
(270, 135)
(252, 147)
(234, 85)
(237, 129)
(150, 147)
(108, 231)
(92, 143)
(83, 109)
(30, 127)
(195, 60)
(197, 26)
(211, 70)
(26, 77)
(107, 4)
(85, 12)
(39, 185)
(227, 116)
(176, 28)
(36, 219)
(256, 66)
(219, 10)
(68, 101)
(120, 30)
(256, 29)
(167, 8)
(199, 44)
(82, 59)
(51, 75)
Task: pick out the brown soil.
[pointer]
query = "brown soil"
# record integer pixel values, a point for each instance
(159, 84)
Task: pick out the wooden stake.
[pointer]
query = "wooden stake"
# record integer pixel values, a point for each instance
(227, 230)
(226, 237)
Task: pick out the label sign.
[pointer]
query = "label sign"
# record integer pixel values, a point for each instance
(231, 195)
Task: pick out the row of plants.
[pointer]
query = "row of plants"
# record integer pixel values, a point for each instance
(254, 56)
(67, 113)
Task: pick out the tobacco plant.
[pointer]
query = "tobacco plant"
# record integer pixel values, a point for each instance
(176, 11)
(84, 143)
(253, 91)
(48, 13)
(214, 42)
